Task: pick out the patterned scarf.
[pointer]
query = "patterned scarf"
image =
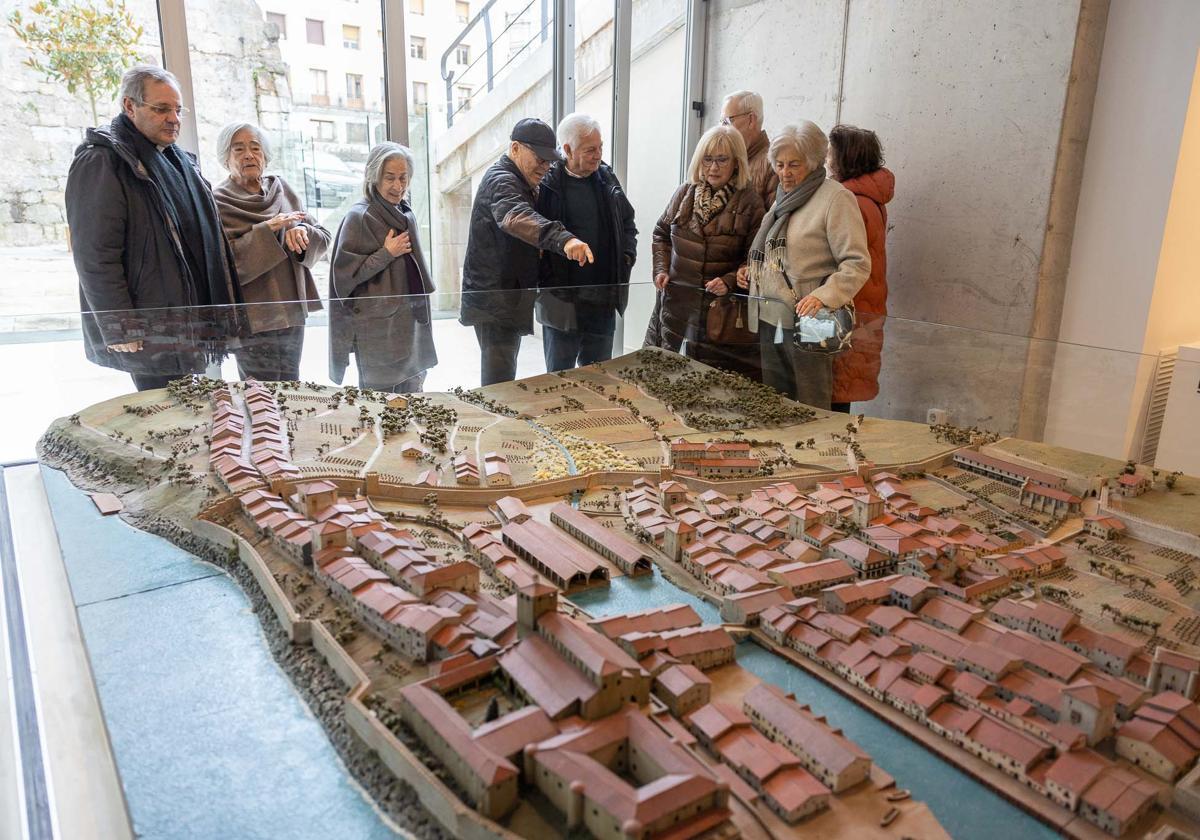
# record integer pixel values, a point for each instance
(768, 254)
(707, 202)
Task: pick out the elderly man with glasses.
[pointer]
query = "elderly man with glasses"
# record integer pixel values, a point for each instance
(505, 237)
(743, 110)
(156, 273)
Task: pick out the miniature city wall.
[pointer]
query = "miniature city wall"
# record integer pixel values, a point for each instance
(458, 818)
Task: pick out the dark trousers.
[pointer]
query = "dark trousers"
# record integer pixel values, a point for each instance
(150, 381)
(271, 356)
(803, 377)
(565, 349)
(844, 408)
(498, 348)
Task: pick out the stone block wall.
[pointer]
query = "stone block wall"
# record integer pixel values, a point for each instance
(239, 76)
(972, 101)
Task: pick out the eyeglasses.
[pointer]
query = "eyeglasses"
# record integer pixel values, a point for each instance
(729, 120)
(163, 110)
(720, 161)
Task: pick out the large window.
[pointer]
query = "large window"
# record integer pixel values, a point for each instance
(462, 11)
(315, 30)
(350, 37)
(280, 22)
(318, 86)
(462, 55)
(354, 90)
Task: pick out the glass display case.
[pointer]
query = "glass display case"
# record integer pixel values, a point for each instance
(328, 609)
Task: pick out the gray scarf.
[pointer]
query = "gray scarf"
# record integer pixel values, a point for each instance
(768, 253)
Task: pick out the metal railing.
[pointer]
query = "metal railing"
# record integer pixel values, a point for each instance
(484, 18)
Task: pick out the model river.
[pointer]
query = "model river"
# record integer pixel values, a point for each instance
(963, 806)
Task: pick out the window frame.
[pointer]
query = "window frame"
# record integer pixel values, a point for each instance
(308, 31)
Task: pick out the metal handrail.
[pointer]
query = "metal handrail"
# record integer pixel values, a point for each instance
(483, 17)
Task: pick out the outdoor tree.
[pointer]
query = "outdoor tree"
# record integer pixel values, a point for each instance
(83, 45)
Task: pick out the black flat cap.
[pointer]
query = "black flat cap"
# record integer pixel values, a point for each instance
(538, 136)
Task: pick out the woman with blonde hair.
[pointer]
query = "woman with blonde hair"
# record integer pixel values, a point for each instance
(700, 242)
(810, 253)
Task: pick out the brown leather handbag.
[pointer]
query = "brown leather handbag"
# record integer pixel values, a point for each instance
(726, 320)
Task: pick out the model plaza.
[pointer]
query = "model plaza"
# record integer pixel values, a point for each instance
(921, 580)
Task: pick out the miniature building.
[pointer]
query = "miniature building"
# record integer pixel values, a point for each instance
(628, 557)
(315, 496)
(1006, 471)
(564, 562)
(1174, 671)
(838, 762)
(413, 450)
(466, 471)
(866, 561)
(511, 509)
(1132, 484)
(533, 602)
(713, 460)
(1049, 500)
(1104, 527)
(745, 608)
(1163, 737)
(1089, 708)
(682, 688)
(497, 470)
(806, 578)
(621, 778)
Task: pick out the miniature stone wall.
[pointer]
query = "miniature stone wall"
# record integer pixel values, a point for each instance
(456, 817)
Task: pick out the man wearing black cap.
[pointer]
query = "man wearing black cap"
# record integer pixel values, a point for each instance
(500, 271)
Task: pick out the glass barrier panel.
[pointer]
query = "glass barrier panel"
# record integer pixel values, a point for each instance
(957, 381)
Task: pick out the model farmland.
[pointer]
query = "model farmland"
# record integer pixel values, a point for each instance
(1025, 613)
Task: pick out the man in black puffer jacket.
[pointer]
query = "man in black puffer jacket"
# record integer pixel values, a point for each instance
(578, 304)
(500, 270)
(157, 284)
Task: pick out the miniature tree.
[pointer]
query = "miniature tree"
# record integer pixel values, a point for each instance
(1171, 478)
(80, 44)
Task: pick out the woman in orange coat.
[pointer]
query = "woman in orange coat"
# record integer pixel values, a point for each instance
(856, 160)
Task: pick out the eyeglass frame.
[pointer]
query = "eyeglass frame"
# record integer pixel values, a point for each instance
(161, 110)
(729, 120)
(708, 161)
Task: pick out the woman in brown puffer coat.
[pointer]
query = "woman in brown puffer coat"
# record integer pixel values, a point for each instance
(856, 160)
(699, 243)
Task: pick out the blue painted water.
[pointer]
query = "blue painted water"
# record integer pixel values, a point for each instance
(964, 807)
(210, 738)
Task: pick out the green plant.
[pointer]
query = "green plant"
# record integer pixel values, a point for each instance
(83, 45)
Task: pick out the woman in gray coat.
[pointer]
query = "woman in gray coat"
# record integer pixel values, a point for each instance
(275, 246)
(379, 283)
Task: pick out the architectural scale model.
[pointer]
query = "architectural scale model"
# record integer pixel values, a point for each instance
(1027, 613)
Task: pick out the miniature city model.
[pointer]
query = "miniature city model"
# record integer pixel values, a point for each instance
(1026, 612)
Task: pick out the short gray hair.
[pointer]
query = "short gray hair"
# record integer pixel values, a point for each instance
(806, 139)
(378, 157)
(574, 126)
(133, 83)
(745, 101)
(225, 142)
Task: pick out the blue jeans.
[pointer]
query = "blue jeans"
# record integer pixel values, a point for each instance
(565, 350)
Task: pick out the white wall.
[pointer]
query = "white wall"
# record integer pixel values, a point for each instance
(1132, 283)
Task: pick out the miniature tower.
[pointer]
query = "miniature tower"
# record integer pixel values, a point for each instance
(867, 508)
(533, 601)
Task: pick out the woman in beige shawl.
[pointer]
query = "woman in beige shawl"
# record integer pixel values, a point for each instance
(275, 245)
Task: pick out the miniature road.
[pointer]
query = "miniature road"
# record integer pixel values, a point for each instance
(571, 468)
(378, 429)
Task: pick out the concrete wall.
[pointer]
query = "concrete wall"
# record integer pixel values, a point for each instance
(1132, 281)
(968, 97)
